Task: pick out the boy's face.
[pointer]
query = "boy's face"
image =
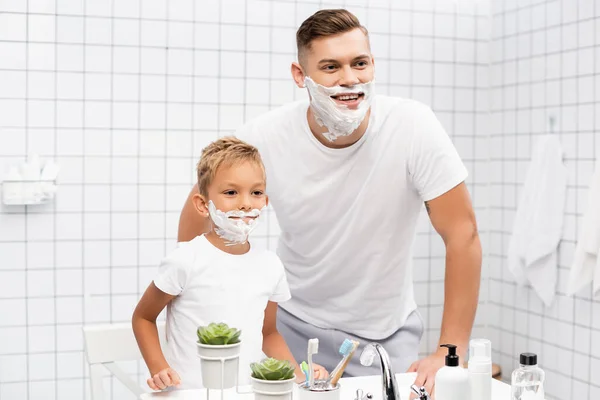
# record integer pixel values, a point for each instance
(340, 60)
(238, 187)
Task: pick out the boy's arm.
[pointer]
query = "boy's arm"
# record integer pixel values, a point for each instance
(273, 343)
(144, 327)
(191, 223)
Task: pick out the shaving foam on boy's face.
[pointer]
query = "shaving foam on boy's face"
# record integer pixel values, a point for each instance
(340, 109)
(234, 226)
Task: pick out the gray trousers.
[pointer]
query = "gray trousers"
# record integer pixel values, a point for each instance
(402, 346)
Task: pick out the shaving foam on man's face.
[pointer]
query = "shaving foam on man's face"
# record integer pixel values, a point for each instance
(234, 226)
(341, 109)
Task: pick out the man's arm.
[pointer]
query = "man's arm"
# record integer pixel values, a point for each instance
(452, 216)
(191, 223)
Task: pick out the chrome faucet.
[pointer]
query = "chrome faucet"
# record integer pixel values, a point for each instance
(390, 386)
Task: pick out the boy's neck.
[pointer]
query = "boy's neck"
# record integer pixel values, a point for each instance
(219, 243)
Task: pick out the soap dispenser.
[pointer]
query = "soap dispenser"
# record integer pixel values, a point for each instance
(452, 381)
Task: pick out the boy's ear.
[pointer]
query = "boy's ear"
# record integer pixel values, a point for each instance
(201, 204)
(266, 200)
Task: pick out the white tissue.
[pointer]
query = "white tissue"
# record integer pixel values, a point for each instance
(29, 183)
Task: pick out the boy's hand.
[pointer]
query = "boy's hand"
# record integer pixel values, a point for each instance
(320, 372)
(163, 379)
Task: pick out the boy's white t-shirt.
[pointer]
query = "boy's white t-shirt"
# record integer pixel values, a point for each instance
(214, 286)
(348, 216)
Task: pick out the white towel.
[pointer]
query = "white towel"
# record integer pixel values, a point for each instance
(586, 261)
(537, 229)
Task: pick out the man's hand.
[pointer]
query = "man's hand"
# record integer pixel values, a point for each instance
(426, 370)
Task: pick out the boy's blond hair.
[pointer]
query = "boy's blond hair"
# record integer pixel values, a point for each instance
(225, 151)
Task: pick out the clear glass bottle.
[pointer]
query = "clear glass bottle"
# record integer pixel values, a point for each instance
(527, 381)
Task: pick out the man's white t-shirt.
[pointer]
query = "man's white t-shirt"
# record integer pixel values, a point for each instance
(214, 286)
(348, 216)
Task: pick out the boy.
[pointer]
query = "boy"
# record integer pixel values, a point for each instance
(218, 276)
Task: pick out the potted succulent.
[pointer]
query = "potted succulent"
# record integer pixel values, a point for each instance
(272, 379)
(219, 351)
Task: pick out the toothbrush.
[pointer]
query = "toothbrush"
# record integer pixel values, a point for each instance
(313, 348)
(304, 368)
(350, 352)
(344, 350)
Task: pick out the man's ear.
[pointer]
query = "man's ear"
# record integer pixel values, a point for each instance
(298, 74)
(200, 204)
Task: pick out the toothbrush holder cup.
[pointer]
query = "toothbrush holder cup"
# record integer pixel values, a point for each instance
(319, 392)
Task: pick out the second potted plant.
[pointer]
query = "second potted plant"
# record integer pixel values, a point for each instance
(272, 379)
(219, 351)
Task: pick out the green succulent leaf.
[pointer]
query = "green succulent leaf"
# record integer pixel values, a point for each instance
(218, 334)
(271, 369)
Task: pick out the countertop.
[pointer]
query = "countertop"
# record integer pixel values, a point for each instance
(372, 384)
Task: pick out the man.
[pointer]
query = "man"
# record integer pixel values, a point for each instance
(347, 175)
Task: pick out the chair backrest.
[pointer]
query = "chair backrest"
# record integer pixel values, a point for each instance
(107, 344)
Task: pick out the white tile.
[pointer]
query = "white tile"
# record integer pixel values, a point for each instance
(40, 113)
(400, 22)
(97, 170)
(150, 252)
(40, 255)
(40, 311)
(40, 283)
(97, 281)
(400, 47)
(153, 61)
(69, 310)
(70, 57)
(179, 170)
(154, 9)
(283, 40)
(97, 309)
(152, 198)
(13, 340)
(69, 282)
(128, 9)
(70, 365)
(69, 338)
(68, 254)
(422, 49)
(443, 25)
(40, 226)
(124, 280)
(124, 170)
(12, 284)
(181, 10)
(125, 143)
(13, 255)
(122, 307)
(179, 116)
(181, 34)
(97, 114)
(153, 33)
(41, 366)
(96, 226)
(258, 11)
(125, 226)
(179, 89)
(13, 368)
(231, 117)
(231, 91)
(13, 27)
(69, 226)
(206, 116)
(124, 198)
(125, 60)
(97, 86)
(255, 65)
(258, 38)
(180, 62)
(208, 37)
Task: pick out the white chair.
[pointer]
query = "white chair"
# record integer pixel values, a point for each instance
(107, 344)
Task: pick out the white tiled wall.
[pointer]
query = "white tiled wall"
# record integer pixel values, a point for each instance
(124, 95)
(544, 63)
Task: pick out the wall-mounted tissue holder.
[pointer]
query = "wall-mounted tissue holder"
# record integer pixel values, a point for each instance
(29, 184)
(21, 192)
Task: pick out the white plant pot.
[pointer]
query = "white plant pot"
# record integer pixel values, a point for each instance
(219, 365)
(272, 390)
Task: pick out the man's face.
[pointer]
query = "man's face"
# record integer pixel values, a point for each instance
(341, 60)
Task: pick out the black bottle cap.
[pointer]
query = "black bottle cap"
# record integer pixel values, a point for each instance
(451, 358)
(528, 359)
